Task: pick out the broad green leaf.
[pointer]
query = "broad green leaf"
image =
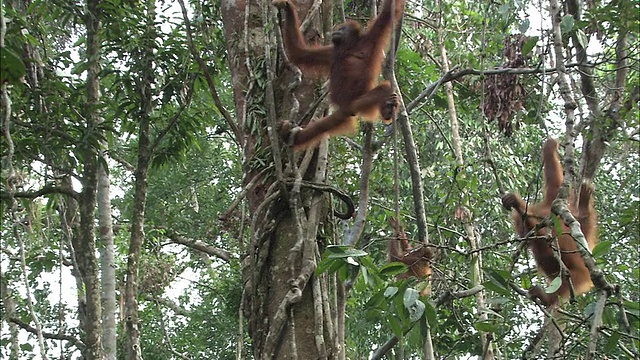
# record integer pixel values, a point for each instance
(554, 285)
(601, 249)
(566, 24)
(612, 342)
(393, 268)
(524, 26)
(410, 297)
(396, 326)
(582, 38)
(632, 305)
(529, 45)
(348, 253)
(390, 291)
(430, 313)
(365, 275)
(11, 66)
(589, 310)
(325, 264)
(416, 311)
(497, 282)
(485, 326)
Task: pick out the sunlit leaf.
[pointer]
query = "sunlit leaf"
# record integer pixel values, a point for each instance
(554, 285)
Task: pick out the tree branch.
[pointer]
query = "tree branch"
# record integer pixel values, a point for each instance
(212, 87)
(48, 189)
(198, 245)
(79, 344)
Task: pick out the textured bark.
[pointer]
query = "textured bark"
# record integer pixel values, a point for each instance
(284, 319)
(9, 312)
(140, 190)
(85, 248)
(5, 117)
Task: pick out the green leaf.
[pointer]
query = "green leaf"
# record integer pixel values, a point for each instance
(554, 285)
(326, 264)
(504, 8)
(485, 326)
(347, 253)
(601, 249)
(490, 285)
(524, 26)
(528, 45)
(589, 310)
(498, 282)
(430, 314)
(336, 249)
(396, 326)
(582, 38)
(632, 305)
(390, 291)
(393, 268)
(365, 275)
(11, 66)
(566, 24)
(410, 297)
(416, 311)
(612, 342)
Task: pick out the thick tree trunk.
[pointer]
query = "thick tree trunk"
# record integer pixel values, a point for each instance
(140, 191)
(85, 251)
(285, 316)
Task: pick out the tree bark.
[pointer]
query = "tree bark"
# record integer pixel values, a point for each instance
(107, 262)
(140, 189)
(286, 319)
(85, 248)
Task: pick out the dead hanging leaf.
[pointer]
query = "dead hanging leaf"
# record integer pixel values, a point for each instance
(504, 95)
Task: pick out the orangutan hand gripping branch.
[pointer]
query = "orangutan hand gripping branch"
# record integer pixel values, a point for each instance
(526, 217)
(353, 63)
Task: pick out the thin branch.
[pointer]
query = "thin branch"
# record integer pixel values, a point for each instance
(198, 245)
(79, 344)
(203, 67)
(168, 303)
(353, 234)
(454, 74)
(175, 118)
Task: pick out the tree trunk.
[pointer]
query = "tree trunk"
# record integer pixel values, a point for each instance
(286, 317)
(5, 117)
(85, 251)
(9, 312)
(140, 190)
(107, 263)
